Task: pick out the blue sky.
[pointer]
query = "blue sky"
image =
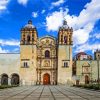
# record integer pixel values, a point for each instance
(47, 17)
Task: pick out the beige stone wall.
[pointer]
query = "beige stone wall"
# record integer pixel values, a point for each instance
(28, 54)
(93, 70)
(64, 74)
(9, 64)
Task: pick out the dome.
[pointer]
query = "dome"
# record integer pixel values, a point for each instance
(81, 53)
(65, 26)
(29, 25)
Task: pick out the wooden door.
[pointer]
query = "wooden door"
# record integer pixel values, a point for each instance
(46, 79)
(86, 79)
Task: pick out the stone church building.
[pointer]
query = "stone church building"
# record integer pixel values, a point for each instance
(48, 60)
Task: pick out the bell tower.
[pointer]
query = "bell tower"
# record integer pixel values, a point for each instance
(65, 54)
(28, 34)
(65, 34)
(28, 54)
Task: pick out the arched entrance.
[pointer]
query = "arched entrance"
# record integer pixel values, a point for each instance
(15, 79)
(46, 79)
(4, 79)
(86, 79)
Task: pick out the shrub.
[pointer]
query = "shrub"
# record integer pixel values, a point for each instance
(7, 86)
(96, 87)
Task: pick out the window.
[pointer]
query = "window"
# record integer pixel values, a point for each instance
(74, 71)
(65, 39)
(65, 64)
(47, 54)
(28, 38)
(24, 40)
(26, 65)
(61, 38)
(98, 56)
(32, 37)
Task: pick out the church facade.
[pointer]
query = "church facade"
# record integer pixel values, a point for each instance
(48, 60)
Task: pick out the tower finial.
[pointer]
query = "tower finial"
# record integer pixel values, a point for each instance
(65, 25)
(30, 22)
(64, 22)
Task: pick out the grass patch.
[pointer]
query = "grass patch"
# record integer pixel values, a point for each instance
(7, 86)
(89, 86)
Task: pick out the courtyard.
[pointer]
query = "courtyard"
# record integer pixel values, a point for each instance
(48, 92)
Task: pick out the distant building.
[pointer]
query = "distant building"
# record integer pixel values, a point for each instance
(86, 69)
(48, 60)
(82, 56)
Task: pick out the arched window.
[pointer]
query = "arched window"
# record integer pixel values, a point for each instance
(65, 39)
(47, 54)
(28, 38)
(24, 40)
(32, 37)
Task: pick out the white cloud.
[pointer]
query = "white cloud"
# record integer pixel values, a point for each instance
(58, 3)
(34, 14)
(16, 50)
(96, 35)
(83, 24)
(43, 11)
(23, 2)
(54, 21)
(3, 5)
(11, 42)
(81, 36)
(3, 51)
(87, 47)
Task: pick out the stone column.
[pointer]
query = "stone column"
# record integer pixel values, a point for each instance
(0, 80)
(9, 81)
(23, 82)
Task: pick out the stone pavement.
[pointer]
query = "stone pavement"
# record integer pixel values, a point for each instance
(48, 93)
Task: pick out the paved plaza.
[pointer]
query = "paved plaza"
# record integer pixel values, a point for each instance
(48, 93)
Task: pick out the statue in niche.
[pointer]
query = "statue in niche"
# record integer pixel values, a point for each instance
(47, 41)
(46, 63)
